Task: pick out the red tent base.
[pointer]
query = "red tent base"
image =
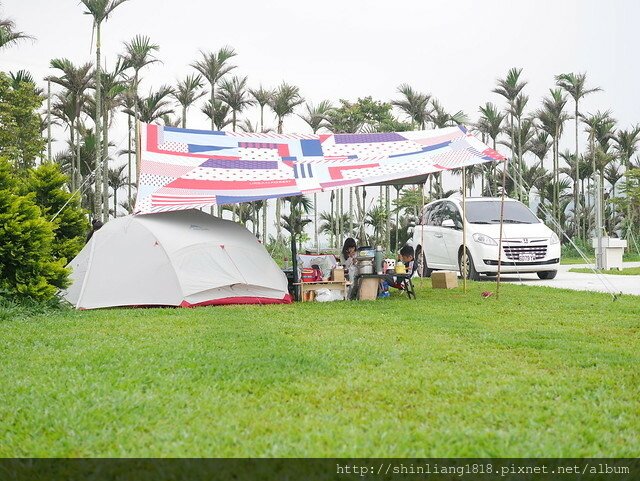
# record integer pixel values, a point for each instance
(287, 299)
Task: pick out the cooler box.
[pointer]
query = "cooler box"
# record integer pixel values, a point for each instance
(444, 279)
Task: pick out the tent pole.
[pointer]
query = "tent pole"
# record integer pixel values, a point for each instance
(424, 257)
(504, 180)
(465, 259)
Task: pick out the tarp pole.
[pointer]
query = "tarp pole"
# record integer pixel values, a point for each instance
(465, 260)
(504, 188)
(424, 257)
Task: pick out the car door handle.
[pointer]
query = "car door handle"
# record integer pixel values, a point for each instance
(438, 235)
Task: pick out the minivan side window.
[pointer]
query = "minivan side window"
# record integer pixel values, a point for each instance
(437, 214)
(453, 213)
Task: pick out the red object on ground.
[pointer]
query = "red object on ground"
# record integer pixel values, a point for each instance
(287, 299)
(487, 294)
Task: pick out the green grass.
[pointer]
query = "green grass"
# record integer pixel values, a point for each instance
(538, 372)
(627, 257)
(627, 271)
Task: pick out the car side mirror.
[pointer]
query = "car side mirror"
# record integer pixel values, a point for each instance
(449, 223)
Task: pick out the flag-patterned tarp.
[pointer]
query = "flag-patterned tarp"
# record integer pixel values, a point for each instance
(184, 169)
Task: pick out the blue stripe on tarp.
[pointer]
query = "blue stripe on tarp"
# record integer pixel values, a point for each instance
(194, 148)
(295, 171)
(310, 171)
(303, 172)
(463, 128)
(194, 131)
(436, 146)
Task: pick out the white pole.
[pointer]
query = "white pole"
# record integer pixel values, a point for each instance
(465, 260)
(504, 180)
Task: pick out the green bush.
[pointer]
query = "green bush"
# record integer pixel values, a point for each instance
(27, 266)
(71, 224)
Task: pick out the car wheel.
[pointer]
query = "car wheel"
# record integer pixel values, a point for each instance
(469, 270)
(547, 274)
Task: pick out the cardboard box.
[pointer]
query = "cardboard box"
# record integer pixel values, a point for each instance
(444, 279)
(337, 274)
(368, 290)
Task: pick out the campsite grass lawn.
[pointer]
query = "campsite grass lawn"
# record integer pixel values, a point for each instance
(538, 372)
(627, 257)
(627, 271)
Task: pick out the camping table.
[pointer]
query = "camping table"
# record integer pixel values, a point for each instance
(314, 286)
(404, 279)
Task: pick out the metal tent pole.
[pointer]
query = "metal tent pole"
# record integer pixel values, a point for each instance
(465, 259)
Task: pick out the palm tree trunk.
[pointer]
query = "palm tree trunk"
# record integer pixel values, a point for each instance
(576, 190)
(184, 116)
(136, 127)
(105, 167)
(261, 118)
(98, 180)
(129, 159)
(315, 222)
(265, 206)
(74, 174)
(350, 211)
(388, 227)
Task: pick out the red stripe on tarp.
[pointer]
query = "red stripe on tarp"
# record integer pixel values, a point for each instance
(287, 299)
(152, 137)
(283, 150)
(230, 184)
(336, 172)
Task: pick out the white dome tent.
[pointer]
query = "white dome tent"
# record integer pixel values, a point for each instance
(181, 258)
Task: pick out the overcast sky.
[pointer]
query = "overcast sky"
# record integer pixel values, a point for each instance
(334, 49)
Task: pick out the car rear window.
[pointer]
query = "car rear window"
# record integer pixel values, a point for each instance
(488, 212)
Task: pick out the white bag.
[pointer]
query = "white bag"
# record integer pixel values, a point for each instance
(324, 295)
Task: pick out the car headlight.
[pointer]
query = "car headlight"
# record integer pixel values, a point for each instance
(554, 239)
(484, 239)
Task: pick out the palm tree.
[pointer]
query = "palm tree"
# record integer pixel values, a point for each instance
(213, 67)
(552, 117)
(283, 102)
(627, 145)
(490, 124)
(218, 113)
(509, 88)
(233, 92)
(262, 97)
(574, 85)
(156, 105)
(138, 54)
(414, 104)
(100, 11)
(187, 92)
(316, 115)
(9, 35)
(76, 80)
(113, 86)
(117, 179)
(599, 126)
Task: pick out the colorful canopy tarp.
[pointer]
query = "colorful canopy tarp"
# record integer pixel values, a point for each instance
(184, 168)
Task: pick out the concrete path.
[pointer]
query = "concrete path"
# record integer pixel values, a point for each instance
(583, 282)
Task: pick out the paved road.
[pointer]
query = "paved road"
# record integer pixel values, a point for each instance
(583, 282)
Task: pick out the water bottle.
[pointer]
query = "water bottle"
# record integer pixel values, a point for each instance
(379, 259)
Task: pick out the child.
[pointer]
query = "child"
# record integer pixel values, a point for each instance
(406, 257)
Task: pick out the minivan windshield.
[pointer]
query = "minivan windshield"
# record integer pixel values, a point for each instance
(488, 212)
